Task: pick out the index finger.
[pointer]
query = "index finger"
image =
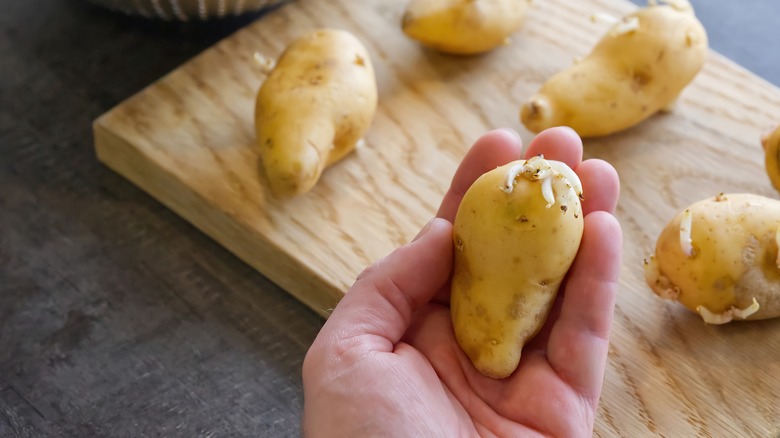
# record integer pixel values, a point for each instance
(493, 149)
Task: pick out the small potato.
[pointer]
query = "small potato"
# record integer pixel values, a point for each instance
(720, 258)
(637, 69)
(463, 27)
(313, 108)
(771, 143)
(516, 233)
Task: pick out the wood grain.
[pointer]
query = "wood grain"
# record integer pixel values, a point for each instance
(188, 140)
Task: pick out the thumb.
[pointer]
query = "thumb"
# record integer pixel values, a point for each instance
(384, 297)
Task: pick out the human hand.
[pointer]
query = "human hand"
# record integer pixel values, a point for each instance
(386, 362)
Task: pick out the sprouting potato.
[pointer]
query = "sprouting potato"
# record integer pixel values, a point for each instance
(516, 233)
(719, 258)
(463, 27)
(771, 143)
(637, 69)
(314, 107)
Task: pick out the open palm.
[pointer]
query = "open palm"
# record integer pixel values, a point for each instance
(386, 363)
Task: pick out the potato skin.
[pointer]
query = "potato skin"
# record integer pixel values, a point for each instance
(626, 78)
(463, 27)
(313, 108)
(771, 143)
(511, 254)
(734, 257)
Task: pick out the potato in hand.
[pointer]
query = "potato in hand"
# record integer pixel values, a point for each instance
(314, 107)
(516, 233)
(637, 69)
(463, 27)
(719, 258)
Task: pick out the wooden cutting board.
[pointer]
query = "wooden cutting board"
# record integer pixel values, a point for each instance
(188, 141)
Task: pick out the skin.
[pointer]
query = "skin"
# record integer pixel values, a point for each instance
(313, 108)
(386, 362)
(463, 27)
(734, 256)
(626, 78)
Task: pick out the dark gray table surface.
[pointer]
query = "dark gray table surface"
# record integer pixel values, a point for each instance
(117, 318)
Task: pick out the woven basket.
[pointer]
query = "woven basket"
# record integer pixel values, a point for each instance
(185, 10)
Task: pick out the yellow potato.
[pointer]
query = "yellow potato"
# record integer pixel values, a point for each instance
(463, 27)
(516, 233)
(313, 108)
(771, 142)
(637, 69)
(719, 258)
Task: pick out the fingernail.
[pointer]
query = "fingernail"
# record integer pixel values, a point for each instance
(511, 132)
(424, 231)
(571, 130)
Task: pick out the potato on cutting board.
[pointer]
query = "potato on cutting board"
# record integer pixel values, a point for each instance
(314, 107)
(463, 27)
(637, 69)
(719, 258)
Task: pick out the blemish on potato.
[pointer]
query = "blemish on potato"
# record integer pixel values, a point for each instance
(522, 218)
(769, 264)
(360, 61)
(463, 276)
(690, 38)
(406, 19)
(516, 308)
(723, 283)
(639, 79)
(535, 109)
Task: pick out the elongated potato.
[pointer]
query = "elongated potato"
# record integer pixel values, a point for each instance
(516, 233)
(719, 258)
(463, 27)
(313, 108)
(771, 143)
(638, 68)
